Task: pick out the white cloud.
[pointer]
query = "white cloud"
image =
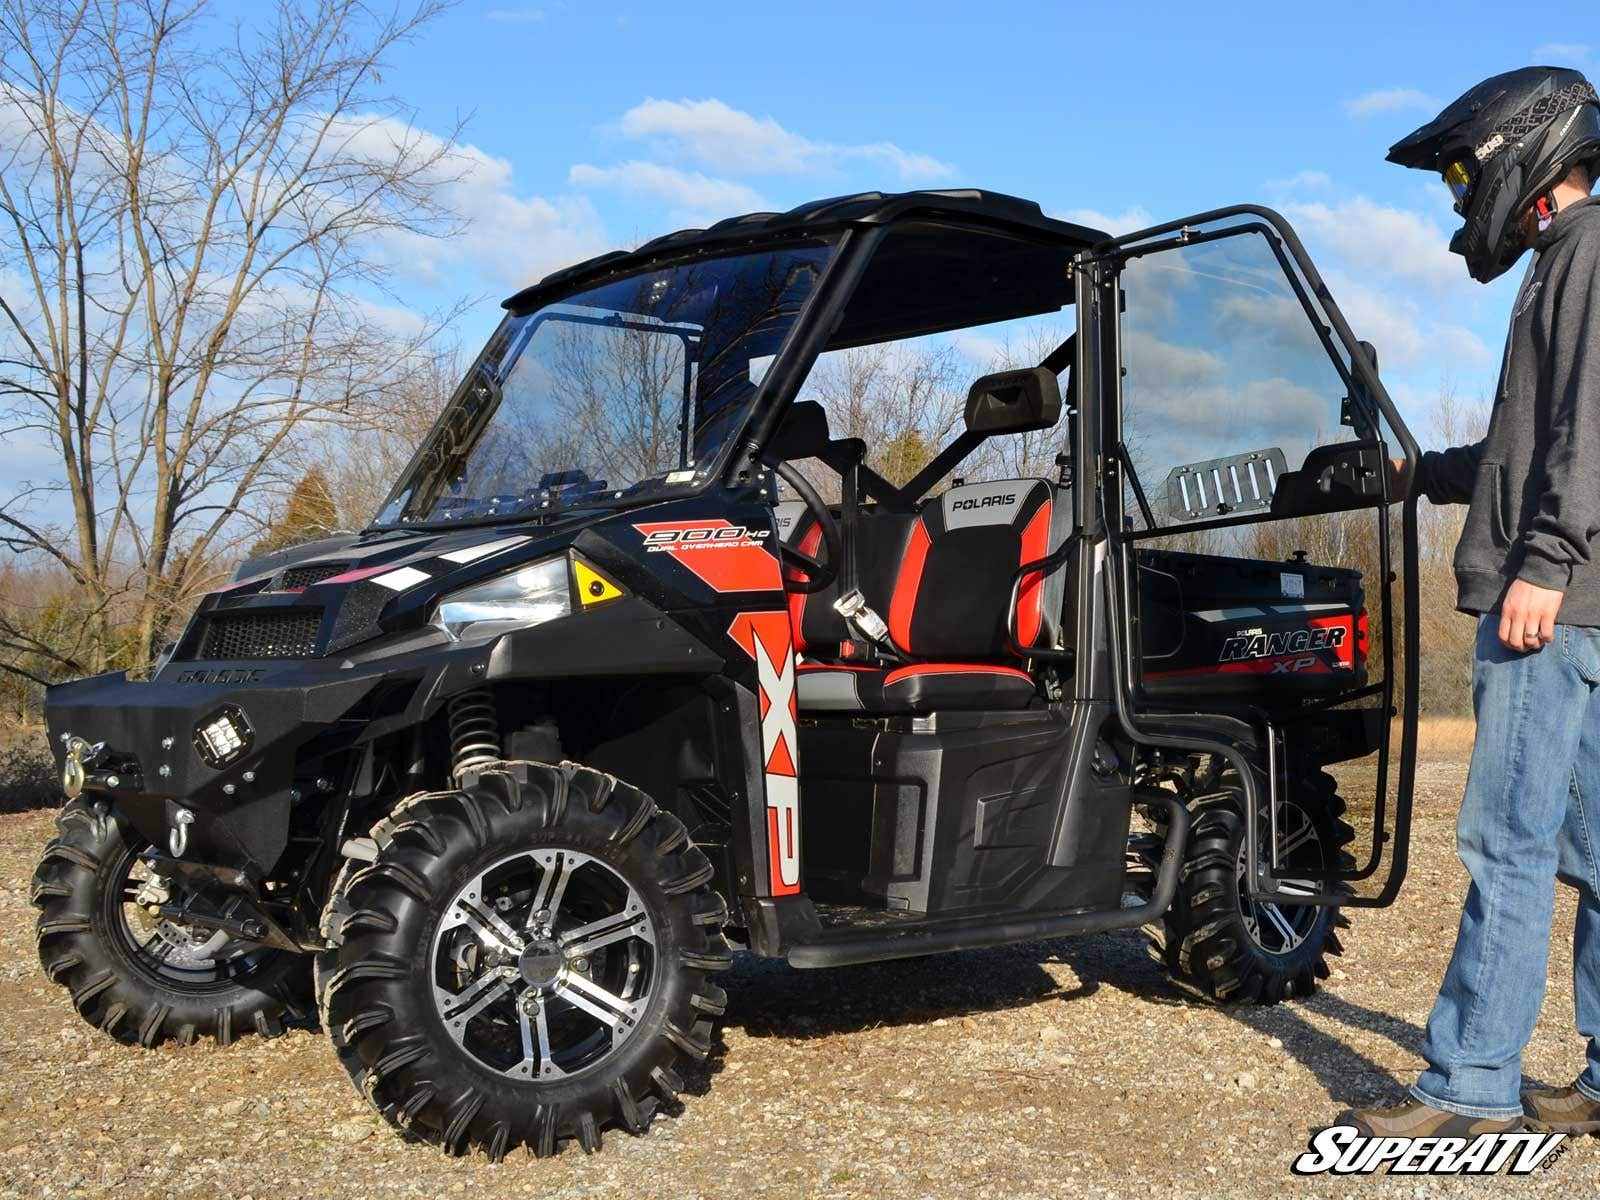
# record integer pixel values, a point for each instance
(1380, 239)
(688, 192)
(1559, 53)
(1383, 318)
(1178, 369)
(526, 15)
(1116, 224)
(1407, 334)
(1389, 100)
(1302, 181)
(1460, 347)
(505, 240)
(1278, 318)
(1168, 422)
(716, 135)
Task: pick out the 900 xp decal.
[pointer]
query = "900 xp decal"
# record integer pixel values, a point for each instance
(727, 557)
(766, 637)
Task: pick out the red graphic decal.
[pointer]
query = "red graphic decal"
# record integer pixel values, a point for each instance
(1305, 664)
(1339, 640)
(729, 558)
(1030, 597)
(765, 637)
(359, 573)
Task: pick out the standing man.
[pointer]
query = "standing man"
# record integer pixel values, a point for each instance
(1519, 153)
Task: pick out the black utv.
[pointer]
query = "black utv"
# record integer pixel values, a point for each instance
(692, 624)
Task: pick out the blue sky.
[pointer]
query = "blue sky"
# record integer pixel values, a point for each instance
(590, 126)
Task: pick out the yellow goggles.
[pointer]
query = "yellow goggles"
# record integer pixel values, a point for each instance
(1459, 181)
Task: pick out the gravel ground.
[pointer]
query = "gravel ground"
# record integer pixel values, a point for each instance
(1054, 1069)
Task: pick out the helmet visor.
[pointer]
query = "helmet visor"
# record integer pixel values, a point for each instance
(1459, 180)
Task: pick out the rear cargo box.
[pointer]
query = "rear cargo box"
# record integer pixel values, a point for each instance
(1232, 627)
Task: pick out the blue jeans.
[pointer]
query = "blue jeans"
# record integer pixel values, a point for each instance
(1531, 814)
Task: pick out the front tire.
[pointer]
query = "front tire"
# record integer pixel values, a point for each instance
(142, 980)
(1233, 949)
(525, 961)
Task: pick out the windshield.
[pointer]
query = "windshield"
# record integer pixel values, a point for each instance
(620, 392)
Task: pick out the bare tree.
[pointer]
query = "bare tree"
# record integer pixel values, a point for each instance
(904, 399)
(362, 462)
(191, 231)
(1446, 637)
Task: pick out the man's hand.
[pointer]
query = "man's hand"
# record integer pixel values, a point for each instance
(1399, 478)
(1528, 616)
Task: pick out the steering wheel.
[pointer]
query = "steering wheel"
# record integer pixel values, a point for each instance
(815, 574)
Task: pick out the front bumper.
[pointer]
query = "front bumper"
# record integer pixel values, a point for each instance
(299, 716)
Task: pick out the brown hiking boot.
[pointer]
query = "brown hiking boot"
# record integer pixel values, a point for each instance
(1413, 1118)
(1561, 1110)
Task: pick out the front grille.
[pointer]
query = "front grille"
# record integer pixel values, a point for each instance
(291, 633)
(304, 577)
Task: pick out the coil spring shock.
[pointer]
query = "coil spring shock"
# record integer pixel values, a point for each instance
(474, 730)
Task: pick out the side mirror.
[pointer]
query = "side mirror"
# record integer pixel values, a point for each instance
(1014, 402)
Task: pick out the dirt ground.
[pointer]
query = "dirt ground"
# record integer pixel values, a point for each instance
(1068, 1068)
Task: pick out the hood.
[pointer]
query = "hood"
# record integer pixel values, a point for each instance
(329, 596)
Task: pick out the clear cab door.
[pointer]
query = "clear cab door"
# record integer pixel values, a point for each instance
(1266, 572)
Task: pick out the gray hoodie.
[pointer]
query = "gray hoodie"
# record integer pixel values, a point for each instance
(1534, 481)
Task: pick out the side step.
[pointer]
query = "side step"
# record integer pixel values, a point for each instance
(843, 946)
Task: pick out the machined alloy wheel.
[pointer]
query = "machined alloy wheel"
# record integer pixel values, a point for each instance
(1282, 928)
(544, 963)
(525, 962)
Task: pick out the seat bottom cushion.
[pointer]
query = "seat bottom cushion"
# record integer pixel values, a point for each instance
(920, 688)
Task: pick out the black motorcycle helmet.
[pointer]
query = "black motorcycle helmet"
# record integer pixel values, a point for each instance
(1501, 147)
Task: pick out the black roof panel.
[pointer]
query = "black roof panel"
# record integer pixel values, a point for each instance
(867, 208)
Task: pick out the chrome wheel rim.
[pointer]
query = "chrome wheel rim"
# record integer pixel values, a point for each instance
(1283, 928)
(543, 964)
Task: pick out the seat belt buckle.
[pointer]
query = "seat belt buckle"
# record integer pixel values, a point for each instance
(853, 607)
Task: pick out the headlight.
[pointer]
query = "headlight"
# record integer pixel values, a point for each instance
(529, 596)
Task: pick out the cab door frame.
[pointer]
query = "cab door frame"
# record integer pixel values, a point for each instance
(1108, 572)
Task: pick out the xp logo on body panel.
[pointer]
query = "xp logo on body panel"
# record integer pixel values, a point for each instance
(766, 637)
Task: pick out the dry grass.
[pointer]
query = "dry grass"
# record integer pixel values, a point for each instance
(1445, 736)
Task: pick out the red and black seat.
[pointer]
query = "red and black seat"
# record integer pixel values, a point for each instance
(942, 579)
(879, 539)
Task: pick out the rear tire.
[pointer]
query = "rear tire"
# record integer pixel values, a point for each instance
(1234, 950)
(447, 922)
(143, 993)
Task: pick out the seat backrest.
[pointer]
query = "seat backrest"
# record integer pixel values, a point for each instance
(880, 540)
(953, 588)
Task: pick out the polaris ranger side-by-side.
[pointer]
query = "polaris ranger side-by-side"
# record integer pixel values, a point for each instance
(709, 613)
